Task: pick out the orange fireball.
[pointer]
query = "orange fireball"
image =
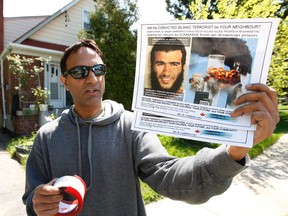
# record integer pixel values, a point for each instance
(225, 76)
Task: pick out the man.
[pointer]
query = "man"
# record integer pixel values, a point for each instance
(94, 140)
(168, 59)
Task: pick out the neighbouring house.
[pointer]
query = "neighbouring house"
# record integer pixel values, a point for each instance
(38, 36)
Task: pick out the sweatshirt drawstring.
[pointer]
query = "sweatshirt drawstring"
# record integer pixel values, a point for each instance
(79, 148)
(89, 152)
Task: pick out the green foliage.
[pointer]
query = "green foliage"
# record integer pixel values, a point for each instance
(27, 71)
(111, 24)
(278, 74)
(282, 125)
(200, 10)
(183, 10)
(233, 9)
(23, 141)
(206, 9)
(183, 147)
(148, 194)
(24, 69)
(246, 9)
(41, 95)
(283, 108)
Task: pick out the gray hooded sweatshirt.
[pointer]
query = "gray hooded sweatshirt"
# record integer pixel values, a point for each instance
(111, 158)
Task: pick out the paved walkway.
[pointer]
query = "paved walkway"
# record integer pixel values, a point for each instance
(261, 190)
(11, 181)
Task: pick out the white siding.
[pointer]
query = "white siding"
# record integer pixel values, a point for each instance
(17, 26)
(65, 33)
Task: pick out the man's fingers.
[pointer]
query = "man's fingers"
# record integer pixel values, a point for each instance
(258, 101)
(52, 182)
(248, 109)
(265, 125)
(48, 189)
(46, 199)
(47, 209)
(264, 88)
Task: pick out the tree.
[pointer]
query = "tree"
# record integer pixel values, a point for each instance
(188, 9)
(182, 9)
(278, 74)
(210, 9)
(111, 29)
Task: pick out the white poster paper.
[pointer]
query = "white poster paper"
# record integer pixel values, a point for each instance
(196, 130)
(216, 60)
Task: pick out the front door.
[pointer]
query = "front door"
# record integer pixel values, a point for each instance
(53, 83)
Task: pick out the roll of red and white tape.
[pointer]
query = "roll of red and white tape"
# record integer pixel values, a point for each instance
(75, 187)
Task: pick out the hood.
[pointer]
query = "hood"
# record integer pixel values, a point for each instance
(112, 111)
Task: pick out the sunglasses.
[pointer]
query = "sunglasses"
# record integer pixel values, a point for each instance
(81, 72)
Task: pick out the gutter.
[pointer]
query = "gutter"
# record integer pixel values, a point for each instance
(14, 47)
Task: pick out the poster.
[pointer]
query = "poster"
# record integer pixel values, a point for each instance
(196, 130)
(208, 65)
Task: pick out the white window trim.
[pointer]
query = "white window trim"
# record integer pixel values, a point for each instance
(83, 16)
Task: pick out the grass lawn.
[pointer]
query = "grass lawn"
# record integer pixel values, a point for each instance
(182, 147)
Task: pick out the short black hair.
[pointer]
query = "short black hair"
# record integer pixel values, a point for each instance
(168, 44)
(75, 47)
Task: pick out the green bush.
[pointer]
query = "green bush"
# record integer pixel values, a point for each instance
(23, 141)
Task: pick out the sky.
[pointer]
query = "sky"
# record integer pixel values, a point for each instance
(150, 10)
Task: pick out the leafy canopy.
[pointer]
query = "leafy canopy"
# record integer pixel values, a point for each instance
(111, 29)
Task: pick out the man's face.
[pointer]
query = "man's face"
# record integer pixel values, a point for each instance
(167, 68)
(86, 92)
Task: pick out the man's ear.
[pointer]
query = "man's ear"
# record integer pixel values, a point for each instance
(64, 81)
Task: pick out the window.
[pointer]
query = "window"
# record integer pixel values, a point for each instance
(86, 20)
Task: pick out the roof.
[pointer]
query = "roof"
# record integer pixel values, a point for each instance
(45, 22)
(16, 26)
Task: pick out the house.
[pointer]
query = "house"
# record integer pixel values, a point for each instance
(38, 36)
